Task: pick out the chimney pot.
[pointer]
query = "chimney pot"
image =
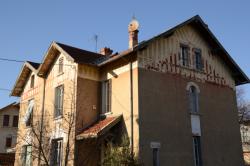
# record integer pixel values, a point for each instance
(106, 51)
(133, 33)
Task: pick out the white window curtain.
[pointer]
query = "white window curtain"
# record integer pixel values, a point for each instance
(29, 110)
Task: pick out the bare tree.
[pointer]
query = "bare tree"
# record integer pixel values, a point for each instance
(44, 146)
(42, 134)
(243, 106)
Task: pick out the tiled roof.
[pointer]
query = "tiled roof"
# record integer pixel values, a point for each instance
(34, 64)
(82, 56)
(99, 128)
(14, 104)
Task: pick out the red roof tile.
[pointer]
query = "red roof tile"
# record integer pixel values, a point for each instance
(99, 127)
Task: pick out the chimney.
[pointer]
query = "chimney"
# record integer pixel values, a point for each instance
(106, 51)
(133, 33)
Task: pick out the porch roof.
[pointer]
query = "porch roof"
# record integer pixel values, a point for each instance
(99, 128)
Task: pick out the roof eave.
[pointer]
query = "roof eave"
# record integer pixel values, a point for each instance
(14, 89)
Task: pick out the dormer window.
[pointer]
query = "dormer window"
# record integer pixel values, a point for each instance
(32, 81)
(184, 56)
(60, 66)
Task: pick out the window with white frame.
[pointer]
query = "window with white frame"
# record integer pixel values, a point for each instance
(28, 118)
(56, 152)
(26, 155)
(106, 96)
(58, 101)
(184, 55)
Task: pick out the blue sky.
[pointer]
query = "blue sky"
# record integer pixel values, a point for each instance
(28, 27)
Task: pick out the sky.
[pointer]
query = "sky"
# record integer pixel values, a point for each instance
(28, 27)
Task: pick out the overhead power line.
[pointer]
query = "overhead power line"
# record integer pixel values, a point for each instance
(11, 60)
(3, 89)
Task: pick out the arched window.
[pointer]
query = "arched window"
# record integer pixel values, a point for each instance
(193, 99)
(193, 96)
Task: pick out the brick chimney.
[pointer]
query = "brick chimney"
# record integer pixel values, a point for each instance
(133, 33)
(106, 51)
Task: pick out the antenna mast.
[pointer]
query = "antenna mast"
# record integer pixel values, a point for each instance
(96, 41)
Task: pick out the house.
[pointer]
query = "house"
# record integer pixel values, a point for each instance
(8, 133)
(172, 95)
(9, 125)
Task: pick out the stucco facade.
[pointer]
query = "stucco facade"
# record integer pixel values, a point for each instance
(148, 100)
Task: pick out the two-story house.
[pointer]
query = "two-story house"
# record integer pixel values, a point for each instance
(9, 124)
(8, 133)
(173, 96)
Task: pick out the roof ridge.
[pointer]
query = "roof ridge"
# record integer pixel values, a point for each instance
(58, 43)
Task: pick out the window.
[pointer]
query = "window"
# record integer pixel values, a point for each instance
(106, 96)
(32, 81)
(26, 155)
(30, 120)
(8, 142)
(6, 119)
(198, 59)
(197, 151)
(60, 67)
(15, 121)
(56, 152)
(29, 113)
(195, 125)
(155, 146)
(58, 101)
(184, 57)
(193, 99)
(156, 161)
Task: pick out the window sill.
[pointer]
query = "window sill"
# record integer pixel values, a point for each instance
(106, 114)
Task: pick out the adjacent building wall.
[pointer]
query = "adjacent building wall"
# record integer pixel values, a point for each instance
(8, 131)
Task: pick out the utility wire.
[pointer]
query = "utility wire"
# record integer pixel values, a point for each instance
(11, 60)
(3, 89)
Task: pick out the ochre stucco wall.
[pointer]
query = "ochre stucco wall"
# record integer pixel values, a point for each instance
(53, 127)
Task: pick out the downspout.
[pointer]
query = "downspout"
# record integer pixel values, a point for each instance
(131, 108)
(41, 126)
